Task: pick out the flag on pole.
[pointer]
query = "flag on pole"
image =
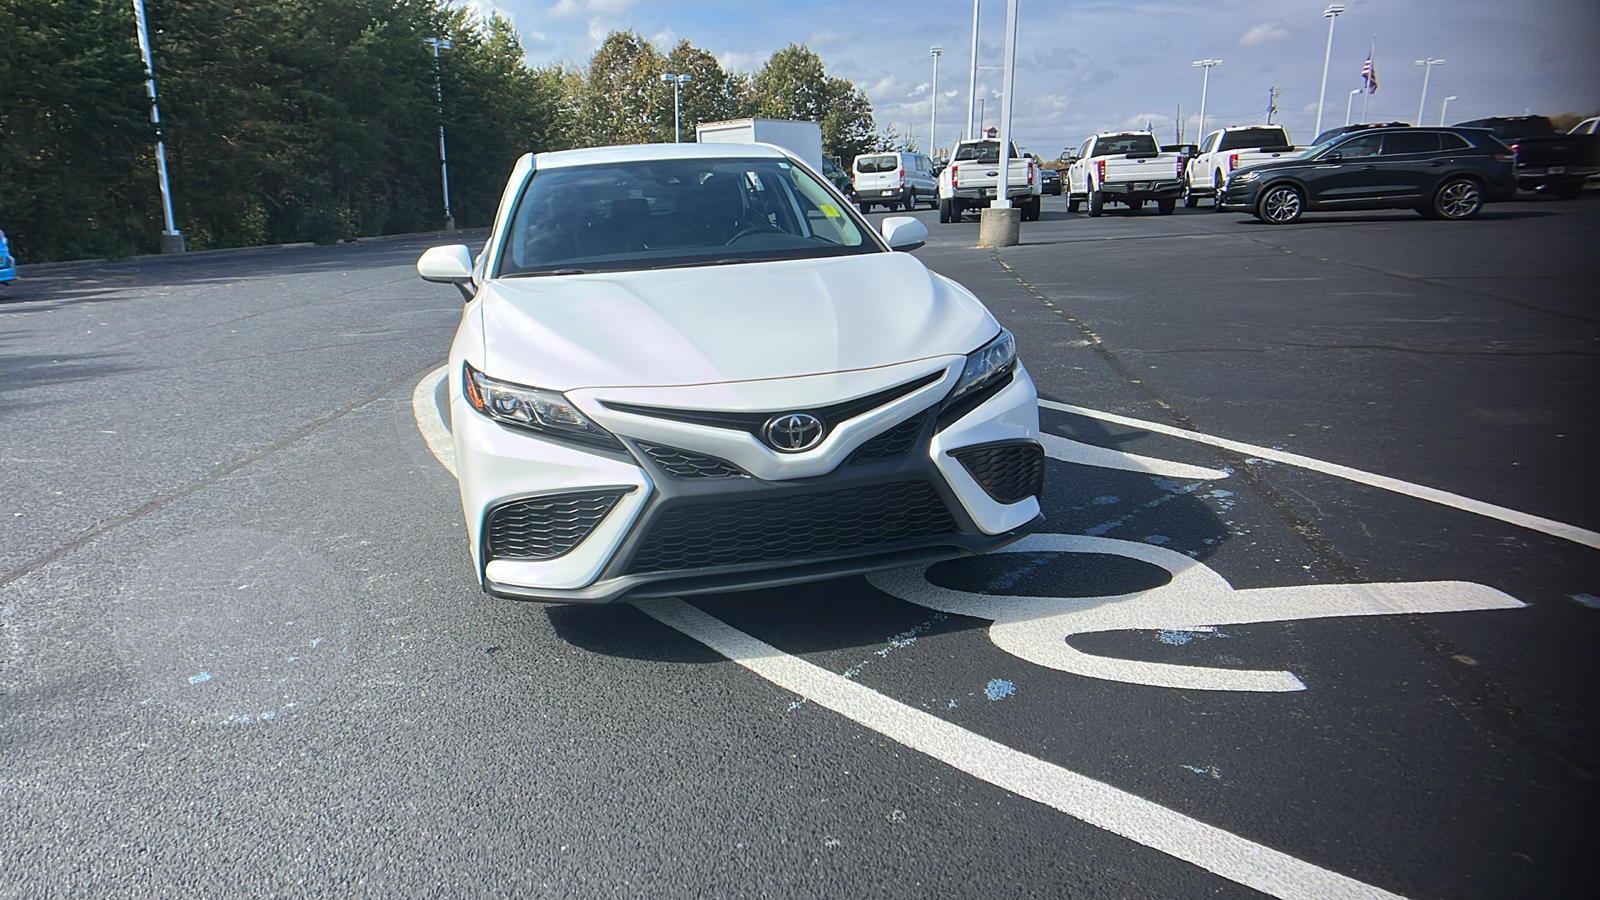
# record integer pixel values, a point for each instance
(1369, 76)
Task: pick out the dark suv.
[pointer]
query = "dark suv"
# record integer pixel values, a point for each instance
(1444, 173)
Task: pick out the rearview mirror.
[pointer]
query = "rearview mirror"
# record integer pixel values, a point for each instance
(904, 233)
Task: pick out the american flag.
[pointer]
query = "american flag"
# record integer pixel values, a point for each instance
(1369, 76)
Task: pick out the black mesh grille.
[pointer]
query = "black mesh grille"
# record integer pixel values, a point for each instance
(687, 464)
(720, 534)
(546, 527)
(893, 442)
(1006, 472)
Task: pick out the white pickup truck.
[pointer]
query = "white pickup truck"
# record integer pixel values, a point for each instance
(973, 175)
(1227, 150)
(1125, 167)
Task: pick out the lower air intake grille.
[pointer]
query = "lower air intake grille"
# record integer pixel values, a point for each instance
(688, 464)
(1006, 472)
(721, 534)
(893, 442)
(546, 527)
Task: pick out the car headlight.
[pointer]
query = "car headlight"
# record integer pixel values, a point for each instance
(1246, 175)
(986, 365)
(533, 409)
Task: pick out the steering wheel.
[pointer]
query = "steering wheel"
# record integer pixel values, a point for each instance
(757, 228)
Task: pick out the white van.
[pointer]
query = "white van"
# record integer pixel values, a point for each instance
(895, 180)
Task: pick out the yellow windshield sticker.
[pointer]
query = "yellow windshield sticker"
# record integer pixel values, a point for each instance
(831, 211)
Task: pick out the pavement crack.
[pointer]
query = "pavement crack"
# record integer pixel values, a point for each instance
(1499, 711)
(162, 500)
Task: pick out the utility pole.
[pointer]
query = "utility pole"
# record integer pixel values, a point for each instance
(1272, 102)
(171, 239)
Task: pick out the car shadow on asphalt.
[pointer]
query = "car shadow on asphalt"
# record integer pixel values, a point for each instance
(850, 613)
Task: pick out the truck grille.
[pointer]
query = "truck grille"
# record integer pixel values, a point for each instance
(720, 534)
(546, 527)
(1008, 473)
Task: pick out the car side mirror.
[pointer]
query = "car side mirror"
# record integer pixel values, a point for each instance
(451, 264)
(904, 233)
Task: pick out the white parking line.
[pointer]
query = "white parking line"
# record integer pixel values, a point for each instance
(1433, 495)
(1099, 804)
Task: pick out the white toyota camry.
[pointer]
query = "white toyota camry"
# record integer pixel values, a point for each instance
(689, 368)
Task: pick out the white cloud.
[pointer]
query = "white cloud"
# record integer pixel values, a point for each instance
(571, 9)
(1265, 33)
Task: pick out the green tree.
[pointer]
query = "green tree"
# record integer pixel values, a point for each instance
(794, 84)
(77, 175)
(621, 95)
(711, 95)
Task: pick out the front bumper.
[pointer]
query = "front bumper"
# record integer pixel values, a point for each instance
(1239, 195)
(668, 535)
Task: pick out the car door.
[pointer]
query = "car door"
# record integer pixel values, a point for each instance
(1076, 173)
(1198, 171)
(1346, 173)
(1410, 164)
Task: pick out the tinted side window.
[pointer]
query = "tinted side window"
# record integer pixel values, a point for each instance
(1355, 148)
(1400, 142)
(1452, 141)
(1211, 141)
(1252, 138)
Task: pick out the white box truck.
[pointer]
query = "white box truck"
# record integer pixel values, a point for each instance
(803, 139)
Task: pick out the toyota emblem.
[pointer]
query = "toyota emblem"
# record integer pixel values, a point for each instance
(793, 432)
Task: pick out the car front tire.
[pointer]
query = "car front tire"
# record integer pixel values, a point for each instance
(1457, 199)
(1072, 202)
(1280, 204)
(1190, 201)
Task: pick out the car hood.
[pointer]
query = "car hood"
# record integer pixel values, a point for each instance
(739, 322)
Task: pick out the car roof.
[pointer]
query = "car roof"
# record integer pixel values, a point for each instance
(651, 152)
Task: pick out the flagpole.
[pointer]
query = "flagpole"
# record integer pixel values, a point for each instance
(1372, 54)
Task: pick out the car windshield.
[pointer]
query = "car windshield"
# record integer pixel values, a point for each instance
(676, 212)
(1128, 143)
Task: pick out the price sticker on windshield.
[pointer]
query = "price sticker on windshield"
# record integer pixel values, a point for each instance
(831, 211)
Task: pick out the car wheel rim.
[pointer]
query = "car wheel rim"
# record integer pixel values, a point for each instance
(1459, 200)
(1282, 205)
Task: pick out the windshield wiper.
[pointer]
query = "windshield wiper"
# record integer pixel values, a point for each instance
(554, 272)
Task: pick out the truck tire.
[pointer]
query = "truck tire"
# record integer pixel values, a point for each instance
(1072, 202)
(1030, 210)
(1190, 201)
(865, 207)
(911, 201)
(946, 216)
(1216, 199)
(1569, 190)
(1136, 205)
(1165, 207)
(1097, 203)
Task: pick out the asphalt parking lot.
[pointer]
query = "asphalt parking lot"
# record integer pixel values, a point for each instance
(1313, 616)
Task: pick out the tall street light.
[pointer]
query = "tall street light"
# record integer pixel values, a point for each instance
(171, 239)
(933, 117)
(444, 167)
(1205, 82)
(973, 122)
(1332, 15)
(1427, 68)
(1347, 104)
(1442, 107)
(677, 82)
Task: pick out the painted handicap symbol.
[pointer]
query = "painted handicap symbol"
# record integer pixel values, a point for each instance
(1197, 598)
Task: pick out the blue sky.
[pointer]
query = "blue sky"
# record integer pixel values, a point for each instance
(1097, 65)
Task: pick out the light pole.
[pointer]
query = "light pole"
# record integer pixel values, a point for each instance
(1347, 104)
(1205, 82)
(444, 166)
(1427, 68)
(1332, 15)
(1444, 106)
(171, 239)
(933, 117)
(972, 86)
(677, 82)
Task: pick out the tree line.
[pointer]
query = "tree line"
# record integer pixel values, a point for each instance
(297, 120)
